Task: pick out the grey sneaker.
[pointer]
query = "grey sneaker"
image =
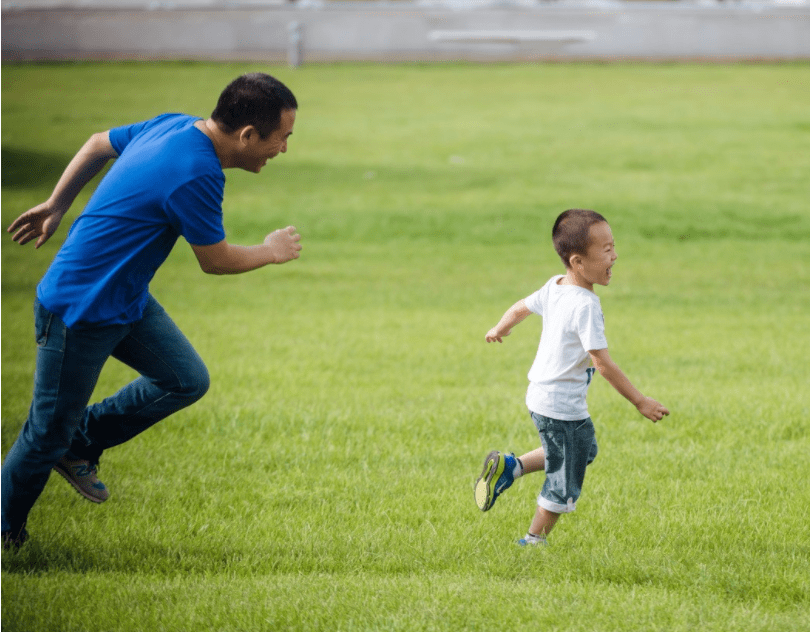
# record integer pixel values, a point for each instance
(82, 475)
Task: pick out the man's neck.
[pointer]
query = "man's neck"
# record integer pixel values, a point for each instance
(219, 139)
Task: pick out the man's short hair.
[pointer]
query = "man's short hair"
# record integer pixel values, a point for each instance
(571, 232)
(255, 99)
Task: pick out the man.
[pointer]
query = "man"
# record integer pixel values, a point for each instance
(93, 302)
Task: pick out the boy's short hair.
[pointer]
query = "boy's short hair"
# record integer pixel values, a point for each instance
(255, 99)
(571, 232)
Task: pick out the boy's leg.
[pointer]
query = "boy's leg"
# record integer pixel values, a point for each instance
(541, 526)
(173, 376)
(543, 522)
(570, 446)
(533, 461)
(67, 369)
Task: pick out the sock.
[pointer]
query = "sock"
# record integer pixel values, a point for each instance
(517, 472)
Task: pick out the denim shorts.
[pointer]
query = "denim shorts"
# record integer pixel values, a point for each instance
(570, 447)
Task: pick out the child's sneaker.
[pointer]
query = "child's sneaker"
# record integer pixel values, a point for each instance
(82, 475)
(496, 477)
(532, 540)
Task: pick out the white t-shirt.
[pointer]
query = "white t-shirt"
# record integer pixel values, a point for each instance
(573, 324)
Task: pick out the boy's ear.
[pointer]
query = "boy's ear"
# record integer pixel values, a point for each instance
(574, 260)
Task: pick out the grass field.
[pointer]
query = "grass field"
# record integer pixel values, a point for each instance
(325, 481)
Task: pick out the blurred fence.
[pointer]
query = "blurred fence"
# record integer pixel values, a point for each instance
(419, 30)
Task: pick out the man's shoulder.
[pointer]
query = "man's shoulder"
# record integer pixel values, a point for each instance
(172, 118)
(169, 141)
(149, 130)
(167, 119)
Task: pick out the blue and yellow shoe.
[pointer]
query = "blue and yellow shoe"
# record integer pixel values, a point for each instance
(496, 478)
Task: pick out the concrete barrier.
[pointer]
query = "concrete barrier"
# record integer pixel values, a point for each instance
(427, 30)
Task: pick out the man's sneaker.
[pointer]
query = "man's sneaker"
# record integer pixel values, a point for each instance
(82, 475)
(496, 477)
(14, 538)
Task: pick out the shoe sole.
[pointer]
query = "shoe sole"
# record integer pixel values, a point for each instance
(493, 468)
(76, 486)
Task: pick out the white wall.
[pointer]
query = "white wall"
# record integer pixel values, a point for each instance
(241, 29)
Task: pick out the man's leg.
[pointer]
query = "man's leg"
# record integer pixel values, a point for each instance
(67, 369)
(173, 376)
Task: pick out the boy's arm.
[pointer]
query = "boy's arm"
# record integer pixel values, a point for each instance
(647, 406)
(42, 221)
(513, 316)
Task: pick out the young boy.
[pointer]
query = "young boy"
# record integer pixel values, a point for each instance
(571, 345)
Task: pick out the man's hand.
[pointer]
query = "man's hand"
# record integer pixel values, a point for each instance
(38, 223)
(42, 221)
(279, 246)
(651, 409)
(284, 244)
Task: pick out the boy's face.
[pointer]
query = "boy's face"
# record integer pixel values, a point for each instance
(595, 268)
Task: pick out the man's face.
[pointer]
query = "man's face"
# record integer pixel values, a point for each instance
(258, 150)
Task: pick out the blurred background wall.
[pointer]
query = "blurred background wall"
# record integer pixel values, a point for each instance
(419, 30)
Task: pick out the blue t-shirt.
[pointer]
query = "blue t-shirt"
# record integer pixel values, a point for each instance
(166, 182)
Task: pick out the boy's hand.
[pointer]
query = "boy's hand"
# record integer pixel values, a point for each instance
(652, 409)
(495, 334)
(513, 316)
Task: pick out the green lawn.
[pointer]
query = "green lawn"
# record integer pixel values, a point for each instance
(325, 481)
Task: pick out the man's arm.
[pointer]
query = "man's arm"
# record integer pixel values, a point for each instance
(279, 246)
(513, 316)
(647, 406)
(42, 221)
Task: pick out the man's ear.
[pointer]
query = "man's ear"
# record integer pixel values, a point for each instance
(575, 260)
(248, 134)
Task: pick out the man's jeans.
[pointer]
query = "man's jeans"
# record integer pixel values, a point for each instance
(69, 362)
